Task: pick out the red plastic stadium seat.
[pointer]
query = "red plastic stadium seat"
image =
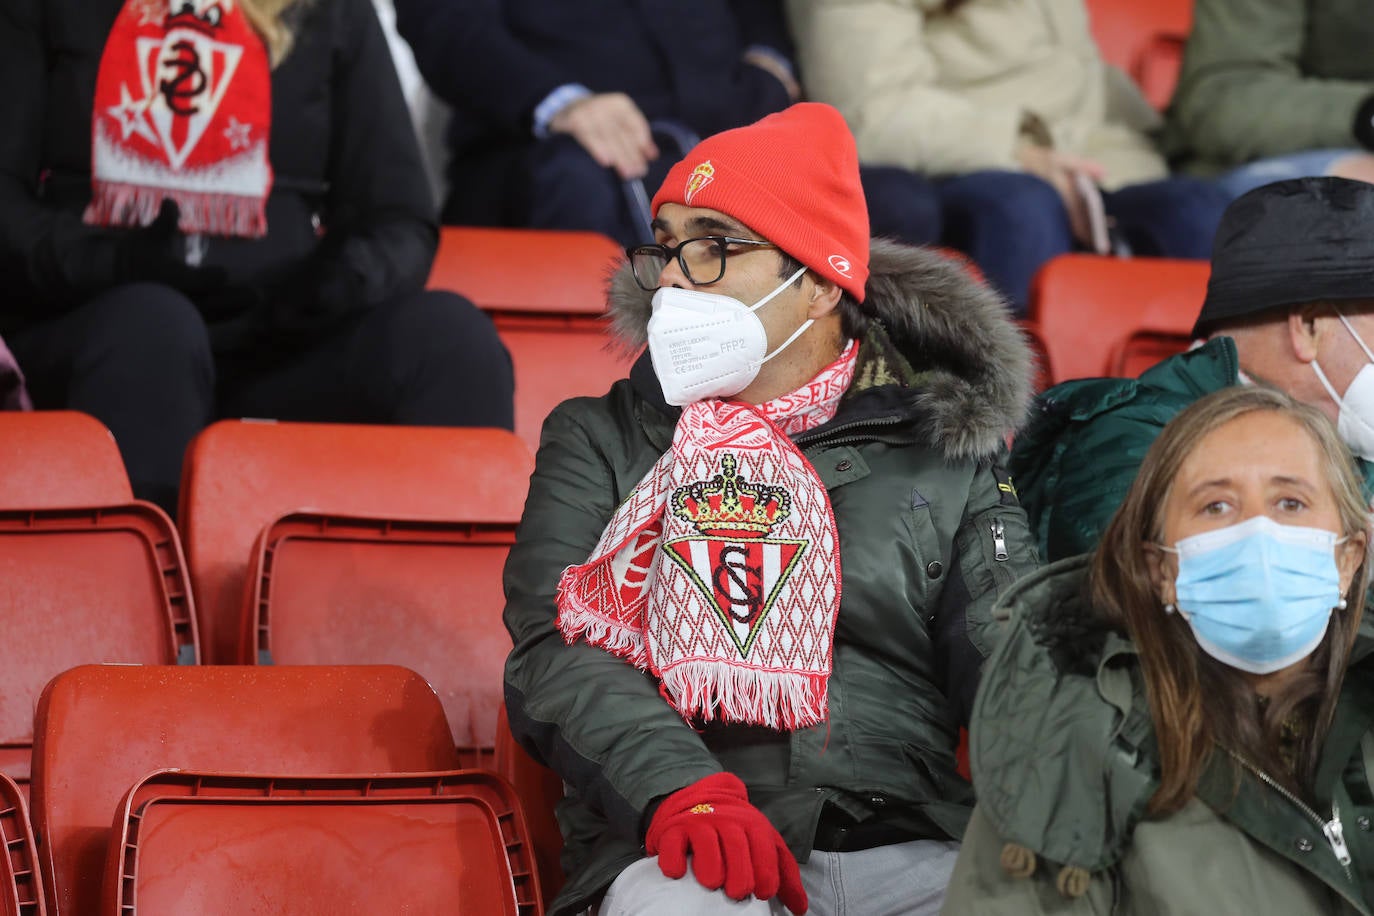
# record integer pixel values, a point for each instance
(21, 886)
(426, 595)
(241, 475)
(539, 790)
(59, 459)
(101, 728)
(443, 843)
(1089, 309)
(1144, 39)
(79, 586)
(546, 292)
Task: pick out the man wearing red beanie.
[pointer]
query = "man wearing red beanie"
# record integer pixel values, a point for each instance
(752, 589)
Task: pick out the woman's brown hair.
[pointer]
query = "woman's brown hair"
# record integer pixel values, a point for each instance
(1196, 702)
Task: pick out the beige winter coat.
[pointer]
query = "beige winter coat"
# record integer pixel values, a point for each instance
(945, 93)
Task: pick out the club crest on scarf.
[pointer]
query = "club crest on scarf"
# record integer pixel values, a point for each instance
(732, 561)
(720, 572)
(182, 110)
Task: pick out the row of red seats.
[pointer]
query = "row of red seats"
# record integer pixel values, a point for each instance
(196, 789)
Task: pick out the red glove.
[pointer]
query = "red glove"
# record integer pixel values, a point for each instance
(731, 843)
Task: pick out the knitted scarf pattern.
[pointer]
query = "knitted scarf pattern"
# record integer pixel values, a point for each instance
(720, 572)
(183, 103)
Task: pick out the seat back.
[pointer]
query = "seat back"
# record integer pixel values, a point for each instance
(450, 843)
(79, 586)
(241, 475)
(539, 790)
(59, 459)
(100, 728)
(546, 292)
(1087, 307)
(426, 595)
(21, 886)
(1145, 40)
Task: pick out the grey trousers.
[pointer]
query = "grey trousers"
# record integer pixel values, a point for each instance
(906, 879)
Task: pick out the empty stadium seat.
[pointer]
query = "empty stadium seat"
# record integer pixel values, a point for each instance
(539, 790)
(546, 292)
(103, 584)
(59, 459)
(426, 595)
(444, 843)
(21, 886)
(101, 728)
(241, 475)
(1093, 313)
(1144, 39)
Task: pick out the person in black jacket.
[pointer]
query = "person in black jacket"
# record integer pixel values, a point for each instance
(156, 330)
(568, 115)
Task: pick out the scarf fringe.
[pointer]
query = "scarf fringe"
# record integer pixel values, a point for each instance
(782, 700)
(576, 621)
(121, 204)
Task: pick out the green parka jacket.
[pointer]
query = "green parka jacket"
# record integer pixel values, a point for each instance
(1265, 78)
(1064, 763)
(930, 533)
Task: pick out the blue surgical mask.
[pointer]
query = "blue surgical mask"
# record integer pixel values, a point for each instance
(1258, 595)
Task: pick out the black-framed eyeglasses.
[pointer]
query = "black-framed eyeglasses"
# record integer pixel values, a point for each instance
(702, 259)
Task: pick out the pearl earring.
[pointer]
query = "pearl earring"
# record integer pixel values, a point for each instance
(1341, 605)
(1170, 608)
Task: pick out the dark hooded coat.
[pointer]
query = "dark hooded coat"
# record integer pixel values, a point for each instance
(930, 534)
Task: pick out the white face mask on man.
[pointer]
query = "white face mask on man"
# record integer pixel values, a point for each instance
(1355, 422)
(708, 345)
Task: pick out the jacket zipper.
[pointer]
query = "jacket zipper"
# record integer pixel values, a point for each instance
(829, 436)
(1332, 829)
(999, 540)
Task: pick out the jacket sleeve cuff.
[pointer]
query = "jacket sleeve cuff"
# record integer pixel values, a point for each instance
(553, 104)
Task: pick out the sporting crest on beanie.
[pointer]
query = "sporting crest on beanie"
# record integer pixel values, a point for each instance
(793, 178)
(182, 111)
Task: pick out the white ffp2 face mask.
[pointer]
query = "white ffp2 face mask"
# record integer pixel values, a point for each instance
(708, 345)
(1355, 422)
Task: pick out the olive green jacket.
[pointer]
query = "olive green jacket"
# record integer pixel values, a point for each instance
(930, 534)
(1064, 762)
(1268, 77)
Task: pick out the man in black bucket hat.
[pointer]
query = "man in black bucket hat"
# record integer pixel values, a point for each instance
(1290, 302)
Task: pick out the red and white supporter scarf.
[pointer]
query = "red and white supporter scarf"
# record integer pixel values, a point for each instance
(720, 572)
(183, 106)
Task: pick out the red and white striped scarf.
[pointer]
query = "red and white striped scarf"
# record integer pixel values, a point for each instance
(720, 572)
(183, 104)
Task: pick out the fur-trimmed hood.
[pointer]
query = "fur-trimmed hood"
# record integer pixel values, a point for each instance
(974, 364)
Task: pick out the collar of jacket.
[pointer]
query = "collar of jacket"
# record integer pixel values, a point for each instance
(940, 347)
(1060, 743)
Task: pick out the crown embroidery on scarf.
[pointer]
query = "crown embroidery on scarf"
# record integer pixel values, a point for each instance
(735, 565)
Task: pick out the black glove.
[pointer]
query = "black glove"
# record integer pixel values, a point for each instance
(1364, 123)
(320, 295)
(156, 253)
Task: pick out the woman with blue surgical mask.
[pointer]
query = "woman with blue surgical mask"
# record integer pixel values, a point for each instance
(1183, 720)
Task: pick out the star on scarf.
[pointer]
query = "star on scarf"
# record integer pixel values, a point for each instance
(238, 134)
(131, 116)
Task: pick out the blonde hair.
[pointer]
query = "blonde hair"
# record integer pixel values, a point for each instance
(266, 18)
(1197, 703)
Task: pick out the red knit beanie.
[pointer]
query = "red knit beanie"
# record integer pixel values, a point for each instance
(792, 177)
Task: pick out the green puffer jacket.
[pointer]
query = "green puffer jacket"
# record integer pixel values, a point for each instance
(1079, 454)
(1064, 762)
(930, 534)
(1075, 460)
(1264, 78)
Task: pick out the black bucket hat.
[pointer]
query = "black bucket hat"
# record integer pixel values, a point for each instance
(1289, 243)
